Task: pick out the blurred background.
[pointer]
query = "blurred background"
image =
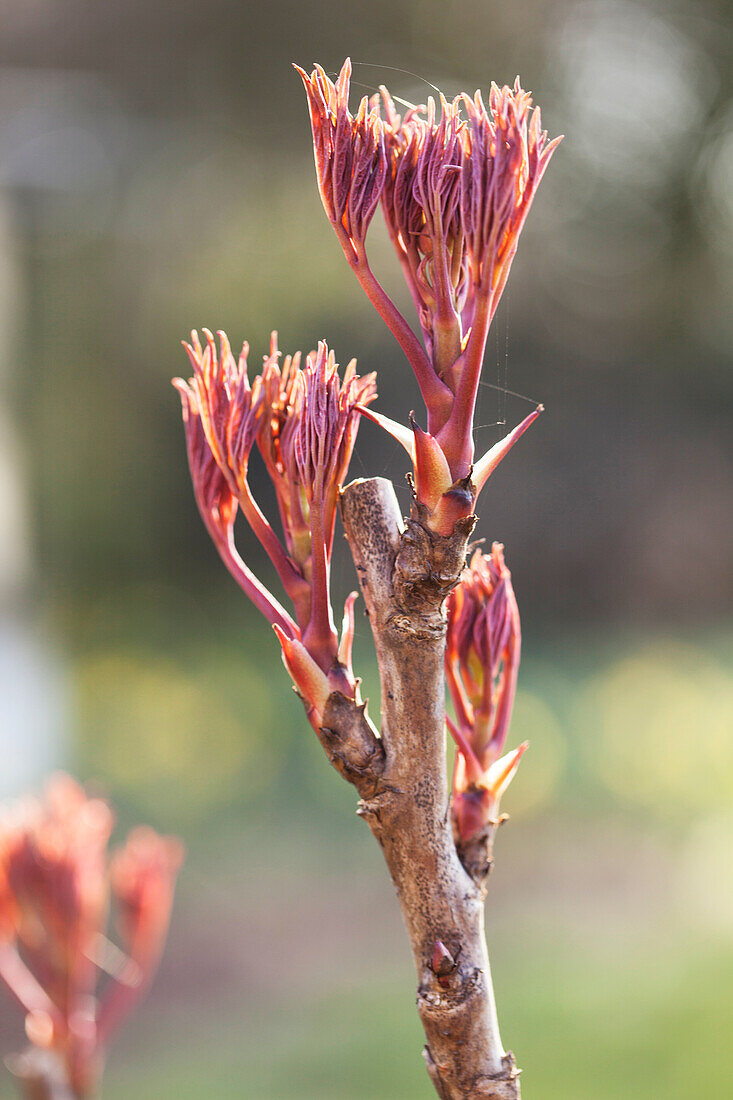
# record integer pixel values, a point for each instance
(155, 175)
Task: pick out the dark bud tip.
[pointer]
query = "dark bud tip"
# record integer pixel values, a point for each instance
(442, 962)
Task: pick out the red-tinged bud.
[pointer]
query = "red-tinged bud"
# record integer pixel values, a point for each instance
(482, 653)
(53, 854)
(475, 802)
(305, 422)
(442, 962)
(227, 405)
(455, 200)
(421, 204)
(310, 681)
(308, 429)
(456, 184)
(214, 497)
(222, 414)
(506, 156)
(217, 505)
(323, 443)
(351, 163)
(282, 406)
(143, 877)
(352, 172)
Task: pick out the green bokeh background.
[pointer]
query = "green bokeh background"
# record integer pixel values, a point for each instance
(155, 175)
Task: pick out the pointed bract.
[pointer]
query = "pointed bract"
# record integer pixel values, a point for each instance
(399, 432)
(432, 474)
(347, 631)
(310, 681)
(485, 466)
(500, 774)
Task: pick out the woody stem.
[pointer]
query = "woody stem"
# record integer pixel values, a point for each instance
(408, 809)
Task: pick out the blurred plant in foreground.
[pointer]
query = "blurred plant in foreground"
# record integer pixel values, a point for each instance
(56, 883)
(455, 192)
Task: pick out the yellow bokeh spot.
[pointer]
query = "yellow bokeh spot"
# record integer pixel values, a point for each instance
(658, 727)
(174, 741)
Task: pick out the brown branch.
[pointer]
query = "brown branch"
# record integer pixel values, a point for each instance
(405, 573)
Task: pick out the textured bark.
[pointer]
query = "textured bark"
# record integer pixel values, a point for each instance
(351, 743)
(405, 573)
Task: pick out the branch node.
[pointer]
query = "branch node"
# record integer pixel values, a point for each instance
(465, 985)
(477, 854)
(371, 808)
(501, 1086)
(351, 743)
(427, 568)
